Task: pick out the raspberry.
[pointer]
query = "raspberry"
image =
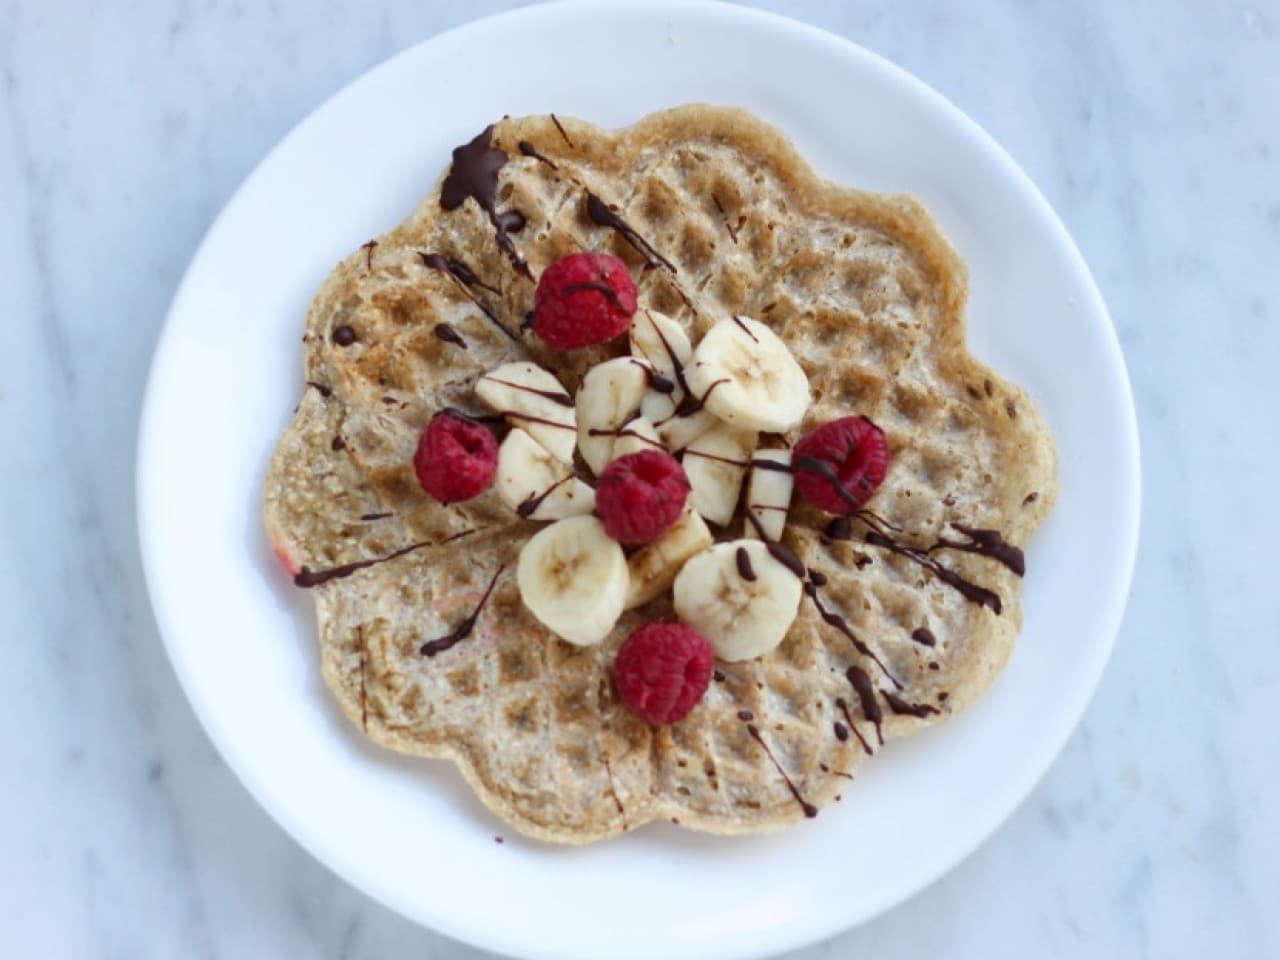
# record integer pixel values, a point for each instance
(640, 495)
(582, 299)
(839, 465)
(456, 459)
(662, 671)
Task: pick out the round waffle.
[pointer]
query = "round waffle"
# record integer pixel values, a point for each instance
(426, 643)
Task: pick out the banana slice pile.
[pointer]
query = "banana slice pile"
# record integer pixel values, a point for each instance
(705, 406)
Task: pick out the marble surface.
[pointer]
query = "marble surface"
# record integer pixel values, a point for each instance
(1151, 127)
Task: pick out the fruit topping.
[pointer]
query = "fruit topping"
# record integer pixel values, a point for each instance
(662, 671)
(583, 299)
(839, 465)
(456, 459)
(640, 496)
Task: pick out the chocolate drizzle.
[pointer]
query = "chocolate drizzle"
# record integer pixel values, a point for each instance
(601, 215)
(474, 174)
(603, 289)
(828, 473)
(745, 329)
(345, 335)
(465, 278)
(370, 517)
(835, 620)
(744, 564)
(900, 706)
(528, 150)
(970, 591)
(866, 692)
(320, 388)
(923, 636)
(844, 708)
(462, 630)
(809, 809)
(555, 396)
(448, 334)
(986, 543)
(486, 419)
(556, 121)
(656, 381)
(530, 504)
(307, 578)
(367, 247)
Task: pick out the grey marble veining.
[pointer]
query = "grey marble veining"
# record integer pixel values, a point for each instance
(1154, 130)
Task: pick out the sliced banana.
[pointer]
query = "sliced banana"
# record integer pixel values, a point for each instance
(661, 341)
(654, 567)
(610, 393)
(738, 597)
(715, 464)
(768, 494)
(534, 400)
(636, 435)
(537, 485)
(748, 377)
(574, 579)
(677, 431)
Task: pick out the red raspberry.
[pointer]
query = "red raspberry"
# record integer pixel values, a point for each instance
(839, 465)
(662, 671)
(456, 459)
(640, 495)
(582, 299)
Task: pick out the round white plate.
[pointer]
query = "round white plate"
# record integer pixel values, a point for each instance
(227, 372)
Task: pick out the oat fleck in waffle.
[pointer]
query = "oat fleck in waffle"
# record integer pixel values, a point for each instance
(906, 598)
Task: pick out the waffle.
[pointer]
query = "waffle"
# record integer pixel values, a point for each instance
(716, 214)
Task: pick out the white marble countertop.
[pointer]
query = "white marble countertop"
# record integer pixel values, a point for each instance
(1154, 130)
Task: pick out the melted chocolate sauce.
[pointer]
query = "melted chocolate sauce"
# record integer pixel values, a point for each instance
(656, 381)
(676, 366)
(746, 716)
(462, 630)
(924, 636)
(307, 578)
(900, 706)
(844, 708)
(840, 528)
(528, 150)
(474, 174)
(785, 556)
(529, 418)
(970, 591)
(773, 465)
(344, 336)
(840, 623)
(866, 692)
(818, 578)
(743, 327)
(368, 253)
(986, 543)
(555, 396)
(733, 232)
(744, 564)
(718, 677)
(512, 221)
(485, 419)
(321, 389)
(530, 504)
(337, 443)
(601, 215)
(841, 731)
(556, 121)
(368, 517)
(809, 809)
(448, 334)
(828, 473)
(603, 289)
(465, 278)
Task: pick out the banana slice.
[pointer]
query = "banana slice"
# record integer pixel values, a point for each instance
(636, 435)
(768, 494)
(653, 568)
(610, 393)
(662, 341)
(534, 400)
(537, 485)
(574, 579)
(738, 597)
(715, 464)
(747, 376)
(679, 430)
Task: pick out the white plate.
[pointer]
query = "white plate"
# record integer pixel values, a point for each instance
(227, 373)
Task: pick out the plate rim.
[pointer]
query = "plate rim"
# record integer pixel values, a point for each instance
(492, 938)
